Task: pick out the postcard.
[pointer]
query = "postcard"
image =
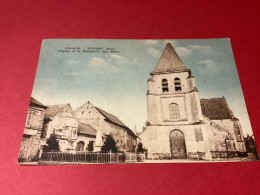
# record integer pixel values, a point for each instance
(97, 101)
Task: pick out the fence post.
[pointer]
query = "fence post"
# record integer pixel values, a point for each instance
(110, 155)
(130, 157)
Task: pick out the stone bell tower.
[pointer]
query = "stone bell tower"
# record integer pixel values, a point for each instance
(171, 88)
(174, 125)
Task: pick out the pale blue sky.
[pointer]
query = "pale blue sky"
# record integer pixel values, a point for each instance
(117, 82)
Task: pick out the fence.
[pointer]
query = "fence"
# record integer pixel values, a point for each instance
(224, 154)
(133, 157)
(89, 157)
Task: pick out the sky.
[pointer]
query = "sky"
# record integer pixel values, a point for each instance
(113, 74)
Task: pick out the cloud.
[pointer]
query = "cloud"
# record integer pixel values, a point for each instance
(112, 63)
(154, 52)
(98, 64)
(206, 50)
(119, 59)
(151, 42)
(187, 51)
(183, 51)
(209, 66)
(73, 62)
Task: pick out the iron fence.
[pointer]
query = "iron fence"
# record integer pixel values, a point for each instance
(224, 154)
(91, 157)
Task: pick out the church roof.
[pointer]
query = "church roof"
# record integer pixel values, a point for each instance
(54, 109)
(216, 109)
(86, 129)
(169, 62)
(37, 103)
(112, 118)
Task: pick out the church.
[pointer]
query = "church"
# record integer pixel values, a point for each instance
(180, 125)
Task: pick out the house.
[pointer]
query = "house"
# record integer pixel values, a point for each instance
(180, 124)
(106, 124)
(31, 142)
(60, 121)
(86, 137)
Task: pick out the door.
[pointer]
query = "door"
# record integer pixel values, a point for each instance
(24, 147)
(80, 146)
(177, 144)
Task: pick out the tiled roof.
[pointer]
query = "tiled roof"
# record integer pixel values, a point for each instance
(169, 62)
(52, 110)
(37, 103)
(216, 109)
(86, 129)
(112, 118)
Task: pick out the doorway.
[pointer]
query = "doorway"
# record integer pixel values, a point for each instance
(177, 144)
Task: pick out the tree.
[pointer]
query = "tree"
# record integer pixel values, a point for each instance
(53, 144)
(140, 147)
(109, 144)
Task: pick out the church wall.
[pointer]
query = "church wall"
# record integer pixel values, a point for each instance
(229, 125)
(157, 83)
(158, 109)
(216, 137)
(156, 140)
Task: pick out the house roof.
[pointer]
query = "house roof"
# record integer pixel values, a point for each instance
(52, 110)
(86, 129)
(37, 103)
(169, 62)
(112, 118)
(216, 109)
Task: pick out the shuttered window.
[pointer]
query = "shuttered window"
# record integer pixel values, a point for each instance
(28, 120)
(165, 85)
(198, 134)
(177, 84)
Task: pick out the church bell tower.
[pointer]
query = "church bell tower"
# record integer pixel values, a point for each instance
(175, 123)
(172, 94)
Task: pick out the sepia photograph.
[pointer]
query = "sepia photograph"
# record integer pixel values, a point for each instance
(97, 101)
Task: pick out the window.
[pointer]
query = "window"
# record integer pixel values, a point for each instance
(82, 112)
(177, 84)
(28, 120)
(198, 134)
(165, 85)
(174, 111)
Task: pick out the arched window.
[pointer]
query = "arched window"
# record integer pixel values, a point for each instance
(174, 111)
(177, 84)
(165, 85)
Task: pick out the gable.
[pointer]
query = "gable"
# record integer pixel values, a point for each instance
(63, 110)
(34, 102)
